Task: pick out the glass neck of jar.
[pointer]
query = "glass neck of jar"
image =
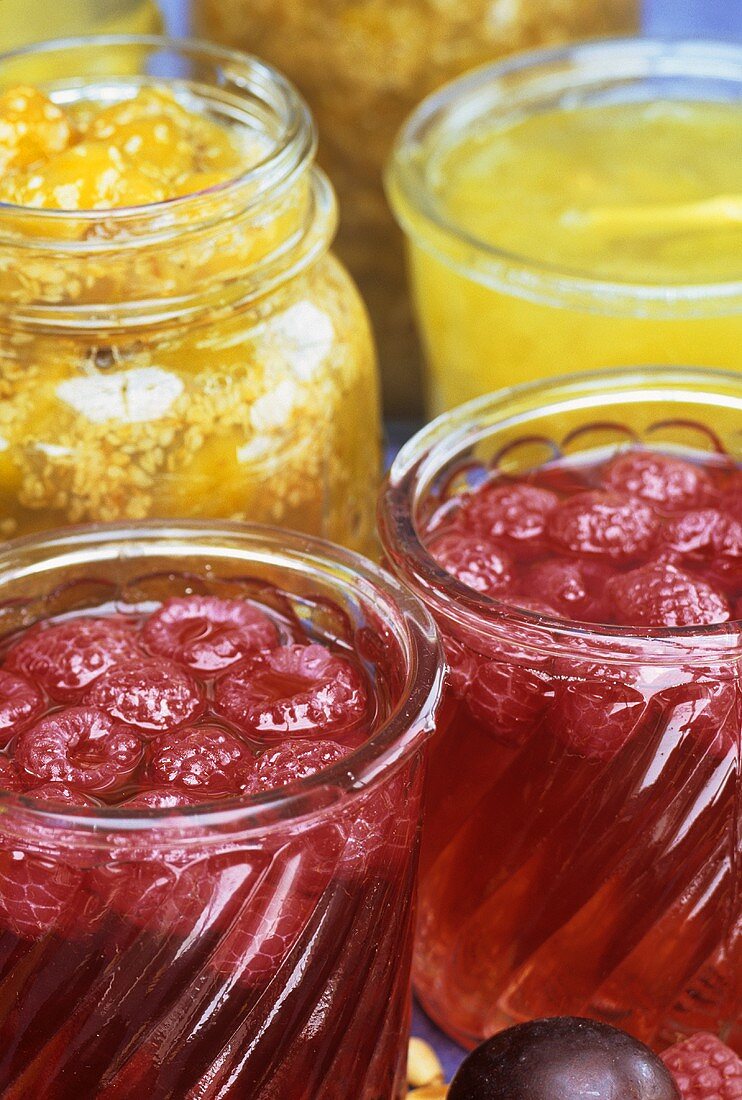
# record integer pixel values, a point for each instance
(183, 260)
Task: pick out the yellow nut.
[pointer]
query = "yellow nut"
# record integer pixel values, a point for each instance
(423, 1066)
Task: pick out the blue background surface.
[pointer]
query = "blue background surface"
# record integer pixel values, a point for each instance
(675, 18)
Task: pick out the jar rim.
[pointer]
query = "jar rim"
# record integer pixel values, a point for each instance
(427, 453)
(293, 148)
(538, 74)
(393, 742)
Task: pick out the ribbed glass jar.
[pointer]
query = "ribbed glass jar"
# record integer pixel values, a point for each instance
(581, 854)
(252, 946)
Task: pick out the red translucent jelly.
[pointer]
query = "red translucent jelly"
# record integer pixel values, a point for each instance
(200, 956)
(582, 853)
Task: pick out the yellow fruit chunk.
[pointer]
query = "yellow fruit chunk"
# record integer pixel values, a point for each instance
(31, 128)
(88, 176)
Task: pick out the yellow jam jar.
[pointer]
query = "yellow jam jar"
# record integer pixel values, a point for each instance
(22, 21)
(176, 338)
(576, 209)
(363, 65)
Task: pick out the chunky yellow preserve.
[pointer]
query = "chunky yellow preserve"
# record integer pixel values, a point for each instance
(139, 150)
(575, 236)
(175, 338)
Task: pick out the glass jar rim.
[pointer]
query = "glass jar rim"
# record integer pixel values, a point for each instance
(545, 73)
(429, 450)
(393, 742)
(294, 147)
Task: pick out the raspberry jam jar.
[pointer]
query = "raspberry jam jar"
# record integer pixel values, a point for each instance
(573, 209)
(363, 66)
(176, 339)
(580, 546)
(211, 776)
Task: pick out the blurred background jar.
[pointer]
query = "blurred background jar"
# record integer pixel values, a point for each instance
(363, 65)
(204, 356)
(576, 209)
(22, 22)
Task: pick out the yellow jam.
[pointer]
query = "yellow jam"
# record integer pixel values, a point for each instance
(575, 234)
(166, 349)
(22, 22)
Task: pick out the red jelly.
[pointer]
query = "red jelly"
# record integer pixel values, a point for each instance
(580, 854)
(206, 866)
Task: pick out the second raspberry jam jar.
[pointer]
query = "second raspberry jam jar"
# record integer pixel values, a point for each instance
(211, 766)
(580, 545)
(176, 338)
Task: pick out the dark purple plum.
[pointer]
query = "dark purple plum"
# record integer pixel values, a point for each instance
(563, 1058)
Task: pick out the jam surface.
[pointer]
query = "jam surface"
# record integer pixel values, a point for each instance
(93, 156)
(643, 538)
(601, 187)
(202, 699)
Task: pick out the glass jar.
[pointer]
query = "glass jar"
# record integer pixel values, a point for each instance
(201, 357)
(239, 947)
(563, 874)
(573, 210)
(363, 66)
(23, 23)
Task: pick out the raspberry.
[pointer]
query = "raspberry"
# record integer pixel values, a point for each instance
(10, 780)
(575, 588)
(708, 711)
(710, 538)
(704, 1068)
(671, 483)
(81, 746)
(155, 695)
(289, 762)
(731, 501)
(61, 795)
(276, 905)
(161, 798)
(462, 665)
(595, 718)
(208, 634)
(20, 703)
(660, 594)
(606, 525)
(65, 658)
(474, 561)
(508, 699)
(514, 513)
(200, 759)
(292, 690)
(37, 895)
(165, 894)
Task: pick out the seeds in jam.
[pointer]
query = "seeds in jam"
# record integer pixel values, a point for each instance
(142, 150)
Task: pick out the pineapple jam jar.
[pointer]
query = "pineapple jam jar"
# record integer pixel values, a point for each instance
(363, 65)
(176, 338)
(576, 209)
